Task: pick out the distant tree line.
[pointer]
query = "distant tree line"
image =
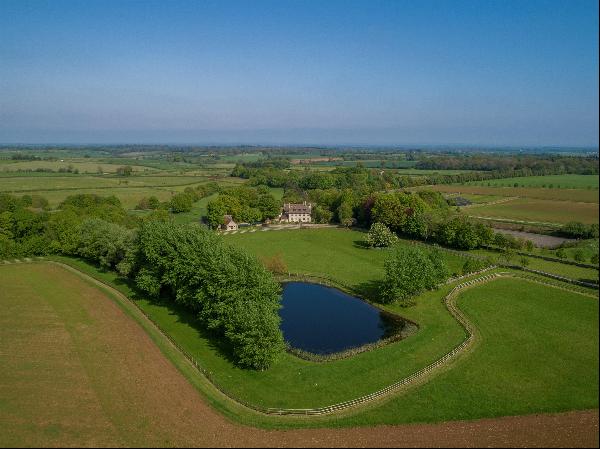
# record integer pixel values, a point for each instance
(529, 165)
(180, 202)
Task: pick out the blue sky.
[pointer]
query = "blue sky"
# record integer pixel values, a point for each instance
(318, 72)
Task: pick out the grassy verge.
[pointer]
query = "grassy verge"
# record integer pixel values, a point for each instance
(334, 252)
(547, 325)
(296, 383)
(539, 353)
(562, 269)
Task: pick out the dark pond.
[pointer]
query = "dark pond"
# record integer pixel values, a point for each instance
(324, 320)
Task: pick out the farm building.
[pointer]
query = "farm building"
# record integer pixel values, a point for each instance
(229, 224)
(296, 213)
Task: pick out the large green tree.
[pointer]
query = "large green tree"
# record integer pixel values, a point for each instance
(231, 292)
(409, 270)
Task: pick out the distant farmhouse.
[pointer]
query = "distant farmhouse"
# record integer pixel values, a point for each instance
(229, 224)
(296, 213)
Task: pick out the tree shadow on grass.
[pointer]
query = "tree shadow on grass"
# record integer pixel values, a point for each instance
(360, 244)
(369, 290)
(182, 315)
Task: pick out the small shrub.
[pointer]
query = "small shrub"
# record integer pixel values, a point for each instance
(380, 236)
(181, 202)
(579, 256)
(275, 264)
(473, 265)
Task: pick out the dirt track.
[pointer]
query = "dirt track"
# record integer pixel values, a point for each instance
(122, 391)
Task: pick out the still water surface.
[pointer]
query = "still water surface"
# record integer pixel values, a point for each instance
(325, 320)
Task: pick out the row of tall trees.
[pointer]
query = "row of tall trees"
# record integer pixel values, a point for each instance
(529, 165)
(229, 291)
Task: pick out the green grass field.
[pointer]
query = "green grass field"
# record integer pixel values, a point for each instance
(561, 269)
(198, 211)
(535, 210)
(296, 383)
(84, 165)
(587, 248)
(547, 325)
(33, 183)
(550, 181)
(309, 252)
(130, 190)
(336, 252)
(478, 199)
(573, 195)
(539, 353)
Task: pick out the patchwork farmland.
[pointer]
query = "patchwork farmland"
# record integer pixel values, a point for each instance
(542, 302)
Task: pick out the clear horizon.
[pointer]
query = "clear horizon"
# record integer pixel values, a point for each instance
(383, 73)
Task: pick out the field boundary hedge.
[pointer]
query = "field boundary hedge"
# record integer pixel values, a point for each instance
(421, 374)
(515, 267)
(548, 258)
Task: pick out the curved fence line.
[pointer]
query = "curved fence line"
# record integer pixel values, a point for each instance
(455, 312)
(448, 301)
(548, 258)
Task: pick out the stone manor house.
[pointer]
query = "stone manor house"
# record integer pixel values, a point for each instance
(296, 213)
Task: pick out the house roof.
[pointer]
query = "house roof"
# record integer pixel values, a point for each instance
(290, 208)
(228, 219)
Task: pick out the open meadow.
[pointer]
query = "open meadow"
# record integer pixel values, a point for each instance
(55, 187)
(588, 182)
(82, 165)
(576, 195)
(535, 200)
(292, 382)
(537, 211)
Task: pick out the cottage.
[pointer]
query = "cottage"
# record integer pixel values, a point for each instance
(296, 213)
(229, 224)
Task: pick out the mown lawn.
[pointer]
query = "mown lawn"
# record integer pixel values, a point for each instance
(539, 353)
(333, 252)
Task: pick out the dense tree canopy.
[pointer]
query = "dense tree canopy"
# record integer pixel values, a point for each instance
(231, 292)
(245, 205)
(410, 270)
